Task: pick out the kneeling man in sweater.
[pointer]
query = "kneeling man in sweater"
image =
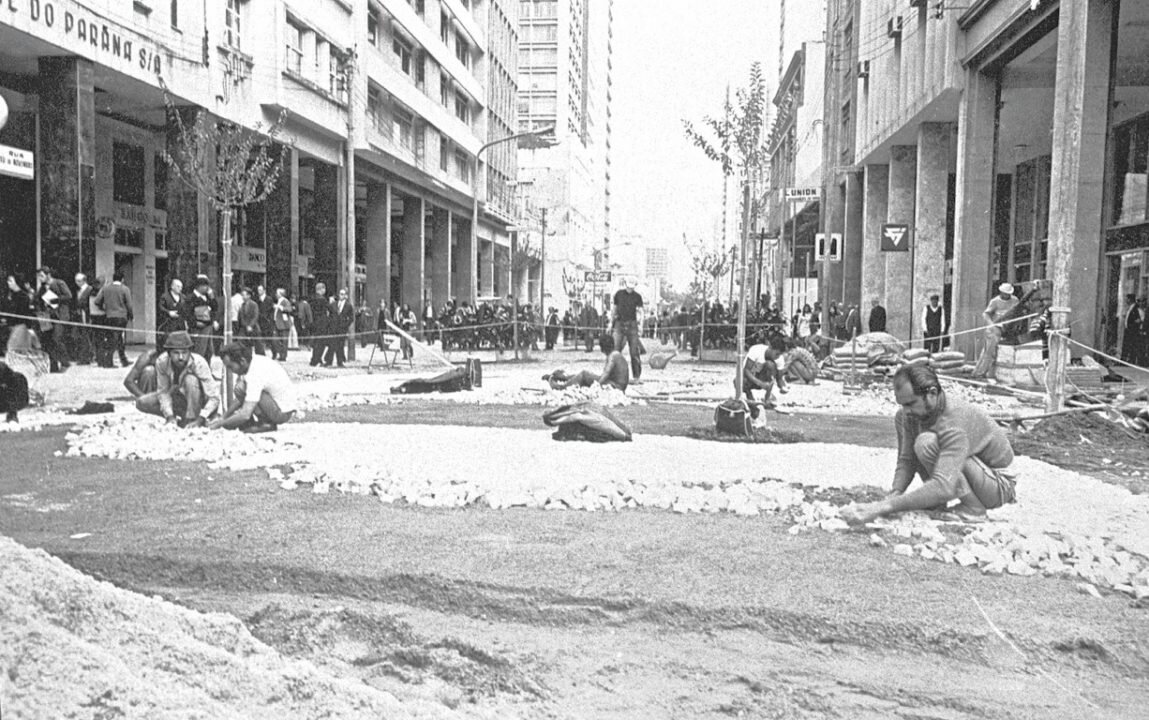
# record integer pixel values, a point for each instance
(957, 449)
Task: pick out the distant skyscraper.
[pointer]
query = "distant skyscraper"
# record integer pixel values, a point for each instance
(565, 80)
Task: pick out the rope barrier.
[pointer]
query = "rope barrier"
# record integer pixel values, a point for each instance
(1095, 351)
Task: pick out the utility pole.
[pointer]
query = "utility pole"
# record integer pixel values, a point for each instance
(543, 265)
(348, 255)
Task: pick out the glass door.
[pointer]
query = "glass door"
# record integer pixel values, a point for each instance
(1133, 283)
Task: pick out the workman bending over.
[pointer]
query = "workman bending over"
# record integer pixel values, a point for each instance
(264, 395)
(760, 370)
(615, 373)
(957, 449)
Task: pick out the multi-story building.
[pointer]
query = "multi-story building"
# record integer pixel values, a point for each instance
(387, 104)
(565, 70)
(1009, 137)
(795, 149)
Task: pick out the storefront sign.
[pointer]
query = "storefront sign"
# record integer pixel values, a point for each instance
(77, 29)
(16, 163)
(895, 238)
(138, 217)
(806, 193)
(248, 259)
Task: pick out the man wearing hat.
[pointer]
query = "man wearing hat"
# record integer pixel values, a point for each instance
(999, 306)
(186, 391)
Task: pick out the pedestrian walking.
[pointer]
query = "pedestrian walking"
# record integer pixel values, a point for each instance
(116, 302)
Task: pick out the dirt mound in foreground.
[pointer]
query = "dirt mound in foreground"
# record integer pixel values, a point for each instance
(77, 647)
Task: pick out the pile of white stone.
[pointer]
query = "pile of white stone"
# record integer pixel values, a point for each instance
(501, 394)
(146, 437)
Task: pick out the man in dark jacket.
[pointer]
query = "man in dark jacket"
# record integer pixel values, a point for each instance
(321, 312)
(53, 301)
(249, 322)
(877, 317)
(202, 314)
(116, 302)
(342, 316)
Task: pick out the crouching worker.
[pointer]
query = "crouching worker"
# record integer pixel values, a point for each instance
(760, 370)
(186, 392)
(13, 393)
(264, 396)
(141, 379)
(615, 372)
(957, 449)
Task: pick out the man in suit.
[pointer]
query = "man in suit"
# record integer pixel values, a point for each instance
(53, 302)
(321, 311)
(877, 321)
(1137, 333)
(248, 322)
(171, 311)
(343, 316)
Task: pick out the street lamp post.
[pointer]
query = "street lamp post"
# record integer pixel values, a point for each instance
(532, 139)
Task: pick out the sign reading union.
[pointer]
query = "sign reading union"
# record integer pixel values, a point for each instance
(74, 27)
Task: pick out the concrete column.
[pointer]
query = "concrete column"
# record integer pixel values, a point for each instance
(378, 242)
(486, 267)
(973, 231)
(440, 256)
(1082, 94)
(67, 150)
(187, 231)
(325, 213)
(281, 247)
(466, 259)
(899, 266)
(853, 238)
(929, 254)
(874, 207)
(414, 242)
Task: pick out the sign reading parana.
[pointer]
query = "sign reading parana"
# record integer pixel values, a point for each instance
(75, 28)
(16, 163)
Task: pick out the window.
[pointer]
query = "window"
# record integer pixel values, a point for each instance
(232, 20)
(374, 107)
(128, 173)
(334, 72)
(546, 8)
(420, 68)
(160, 170)
(462, 166)
(320, 61)
(175, 14)
(417, 5)
(444, 154)
(547, 81)
(462, 50)
(445, 28)
(402, 51)
(539, 57)
(161, 237)
(294, 50)
(462, 107)
(543, 105)
(541, 33)
(404, 127)
(1131, 168)
(445, 90)
(130, 237)
(373, 26)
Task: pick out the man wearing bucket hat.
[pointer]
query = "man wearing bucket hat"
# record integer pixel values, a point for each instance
(186, 391)
(998, 307)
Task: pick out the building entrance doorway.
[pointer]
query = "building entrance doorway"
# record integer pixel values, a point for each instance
(1133, 282)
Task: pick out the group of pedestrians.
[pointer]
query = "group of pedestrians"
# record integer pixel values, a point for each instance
(71, 325)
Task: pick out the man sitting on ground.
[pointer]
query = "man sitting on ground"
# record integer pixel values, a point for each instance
(760, 370)
(264, 396)
(615, 372)
(957, 449)
(186, 391)
(13, 393)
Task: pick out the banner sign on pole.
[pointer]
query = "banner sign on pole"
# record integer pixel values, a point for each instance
(803, 193)
(597, 276)
(895, 237)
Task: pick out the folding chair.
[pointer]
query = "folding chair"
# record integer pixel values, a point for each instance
(389, 344)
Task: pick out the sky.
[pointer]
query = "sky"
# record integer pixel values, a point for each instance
(673, 60)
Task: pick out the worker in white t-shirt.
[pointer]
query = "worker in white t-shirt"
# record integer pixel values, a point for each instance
(760, 371)
(264, 396)
(999, 305)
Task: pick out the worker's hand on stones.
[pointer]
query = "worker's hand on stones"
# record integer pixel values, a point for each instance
(171, 420)
(860, 513)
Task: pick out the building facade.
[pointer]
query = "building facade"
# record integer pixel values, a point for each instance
(1008, 136)
(565, 69)
(387, 105)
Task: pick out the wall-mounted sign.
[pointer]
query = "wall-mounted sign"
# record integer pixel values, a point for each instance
(895, 237)
(303, 265)
(248, 259)
(828, 247)
(137, 217)
(803, 193)
(598, 276)
(75, 28)
(16, 163)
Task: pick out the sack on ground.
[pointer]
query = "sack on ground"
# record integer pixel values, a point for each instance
(586, 421)
(733, 417)
(948, 355)
(915, 353)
